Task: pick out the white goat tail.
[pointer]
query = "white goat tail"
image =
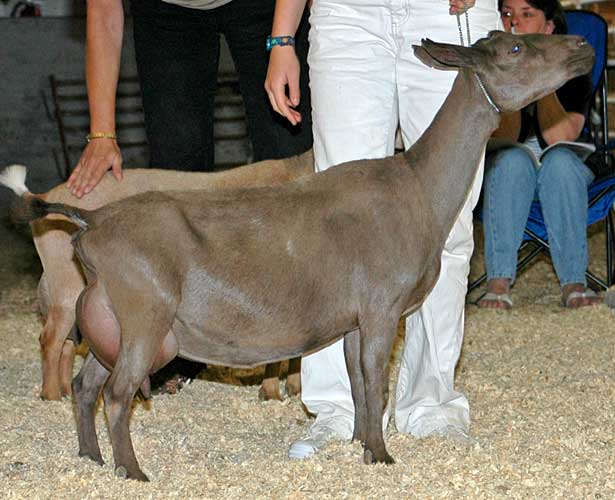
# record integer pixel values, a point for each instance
(14, 177)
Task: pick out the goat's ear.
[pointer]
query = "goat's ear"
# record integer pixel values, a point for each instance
(443, 55)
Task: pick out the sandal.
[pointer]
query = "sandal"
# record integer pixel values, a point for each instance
(504, 298)
(586, 294)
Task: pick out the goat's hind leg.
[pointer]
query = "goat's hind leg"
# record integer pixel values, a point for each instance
(144, 346)
(86, 388)
(66, 367)
(57, 353)
(118, 395)
(58, 323)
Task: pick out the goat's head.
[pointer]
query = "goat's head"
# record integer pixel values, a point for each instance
(515, 69)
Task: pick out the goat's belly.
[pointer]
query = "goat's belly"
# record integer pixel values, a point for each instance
(248, 348)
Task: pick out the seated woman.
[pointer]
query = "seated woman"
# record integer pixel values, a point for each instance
(512, 181)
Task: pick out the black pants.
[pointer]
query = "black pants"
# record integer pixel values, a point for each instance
(177, 51)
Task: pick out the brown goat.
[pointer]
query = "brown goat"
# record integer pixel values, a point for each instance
(62, 281)
(247, 276)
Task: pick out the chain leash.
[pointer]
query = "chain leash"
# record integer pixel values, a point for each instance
(467, 28)
(480, 83)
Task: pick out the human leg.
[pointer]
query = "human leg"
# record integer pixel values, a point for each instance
(272, 136)
(508, 191)
(357, 123)
(563, 180)
(177, 51)
(427, 402)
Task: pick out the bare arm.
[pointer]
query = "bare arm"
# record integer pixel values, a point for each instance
(283, 63)
(283, 69)
(510, 127)
(557, 124)
(105, 29)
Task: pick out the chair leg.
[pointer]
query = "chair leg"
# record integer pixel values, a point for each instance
(538, 248)
(610, 247)
(542, 246)
(477, 282)
(521, 264)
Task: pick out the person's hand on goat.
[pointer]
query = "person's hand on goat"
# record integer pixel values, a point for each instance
(460, 6)
(98, 156)
(284, 71)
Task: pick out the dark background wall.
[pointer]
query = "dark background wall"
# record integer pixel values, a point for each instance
(47, 7)
(31, 49)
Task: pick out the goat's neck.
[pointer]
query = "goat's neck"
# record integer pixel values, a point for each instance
(447, 156)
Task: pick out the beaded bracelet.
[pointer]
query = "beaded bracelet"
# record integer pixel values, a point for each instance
(272, 41)
(101, 135)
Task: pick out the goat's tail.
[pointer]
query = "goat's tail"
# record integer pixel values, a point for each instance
(29, 207)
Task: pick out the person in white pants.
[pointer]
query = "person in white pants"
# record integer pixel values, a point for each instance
(365, 81)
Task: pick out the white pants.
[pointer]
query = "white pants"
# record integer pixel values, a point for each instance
(365, 81)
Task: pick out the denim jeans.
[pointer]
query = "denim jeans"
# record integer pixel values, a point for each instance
(177, 51)
(560, 184)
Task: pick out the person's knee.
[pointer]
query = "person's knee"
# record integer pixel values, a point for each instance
(511, 167)
(562, 167)
(514, 162)
(560, 155)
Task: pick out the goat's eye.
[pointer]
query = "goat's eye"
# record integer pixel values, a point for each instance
(515, 49)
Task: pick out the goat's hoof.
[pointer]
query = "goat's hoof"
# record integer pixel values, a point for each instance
(265, 395)
(50, 396)
(95, 457)
(293, 384)
(122, 473)
(359, 437)
(370, 458)
(292, 390)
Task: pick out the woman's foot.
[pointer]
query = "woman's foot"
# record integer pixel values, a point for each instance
(575, 295)
(497, 296)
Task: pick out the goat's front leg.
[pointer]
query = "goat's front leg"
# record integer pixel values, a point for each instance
(86, 388)
(376, 341)
(352, 355)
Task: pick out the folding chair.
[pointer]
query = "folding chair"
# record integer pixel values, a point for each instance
(602, 190)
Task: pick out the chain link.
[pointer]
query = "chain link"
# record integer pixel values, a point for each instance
(467, 28)
(480, 83)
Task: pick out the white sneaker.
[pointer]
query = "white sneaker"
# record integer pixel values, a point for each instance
(317, 439)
